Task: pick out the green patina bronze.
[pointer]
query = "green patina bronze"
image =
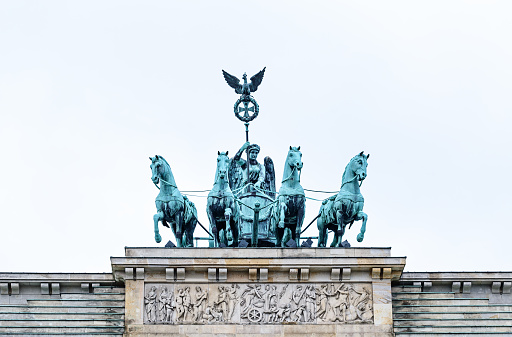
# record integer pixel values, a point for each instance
(173, 209)
(253, 183)
(288, 213)
(347, 206)
(243, 203)
(221, 208)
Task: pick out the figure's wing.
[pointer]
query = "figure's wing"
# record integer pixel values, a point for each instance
(256, 80)
(233, 82)
(270, 177)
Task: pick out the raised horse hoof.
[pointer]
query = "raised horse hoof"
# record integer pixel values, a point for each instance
(158, 238)
(360, 237)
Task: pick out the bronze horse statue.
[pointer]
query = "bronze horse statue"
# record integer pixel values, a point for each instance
(347, 206)
(222, 210)
(172, 208)
(288, 214)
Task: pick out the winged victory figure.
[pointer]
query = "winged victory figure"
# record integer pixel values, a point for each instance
(244, 89)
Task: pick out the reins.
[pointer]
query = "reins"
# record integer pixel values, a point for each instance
(351, 180)
(291, 174)
(166, 182)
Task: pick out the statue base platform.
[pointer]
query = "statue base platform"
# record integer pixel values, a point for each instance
(255, 291)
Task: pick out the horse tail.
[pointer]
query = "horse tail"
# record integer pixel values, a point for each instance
(190, 212)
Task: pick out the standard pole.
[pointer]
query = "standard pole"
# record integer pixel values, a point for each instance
(247, 139)
(254, 238)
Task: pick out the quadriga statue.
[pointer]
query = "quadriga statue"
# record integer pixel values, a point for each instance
(222, 210)
(172, 208)
(347, 206)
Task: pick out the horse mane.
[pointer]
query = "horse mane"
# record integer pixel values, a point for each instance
(168, 169)
(343, 178)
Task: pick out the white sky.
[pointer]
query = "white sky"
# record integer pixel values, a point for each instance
(89, 90)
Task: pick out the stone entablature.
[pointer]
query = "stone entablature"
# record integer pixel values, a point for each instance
(252, 290)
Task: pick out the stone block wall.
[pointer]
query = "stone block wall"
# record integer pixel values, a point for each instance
(58, 304)
(461, 303)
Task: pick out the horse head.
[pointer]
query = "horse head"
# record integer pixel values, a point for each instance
(222, 166)
(294, 158)
(356, 167)
(159, 168)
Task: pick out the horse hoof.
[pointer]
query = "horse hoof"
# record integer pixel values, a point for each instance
(360, 237)
(158, 238)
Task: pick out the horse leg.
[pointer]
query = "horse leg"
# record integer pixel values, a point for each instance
(227, 217)
(188, 233)
(282, 209)
(287, 235)
(341, 228)
(158, 217)
(179, 228)
(322, 232)
(334, 239)
(364, 217)
(222, 236)
(300, 220)
(234, 230)
(215, 232)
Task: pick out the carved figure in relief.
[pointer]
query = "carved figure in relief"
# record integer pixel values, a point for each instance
(211, 315)
(233, 299)
(270, 304)
(338, 303)
(298, 305)
(360, 305)
(162, 301)
(343, 303)
(252, 302)
(187, 304)
(150, 302)
(169, 308)
(321, 301)
(180, 308)
(200, 306)
(283, 314)
(222, 303)
(310, 295)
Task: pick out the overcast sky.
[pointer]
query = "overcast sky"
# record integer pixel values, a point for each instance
(89, 90)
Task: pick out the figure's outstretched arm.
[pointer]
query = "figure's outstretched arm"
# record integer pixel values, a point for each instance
(238, 155)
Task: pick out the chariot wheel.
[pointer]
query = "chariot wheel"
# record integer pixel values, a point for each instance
(254, 315)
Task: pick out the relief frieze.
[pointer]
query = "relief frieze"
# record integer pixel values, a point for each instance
(258, 303)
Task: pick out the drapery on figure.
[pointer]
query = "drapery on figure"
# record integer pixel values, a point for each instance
(150, 301)
(262, 176)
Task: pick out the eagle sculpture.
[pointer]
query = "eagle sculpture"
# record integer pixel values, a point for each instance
(244, 89)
